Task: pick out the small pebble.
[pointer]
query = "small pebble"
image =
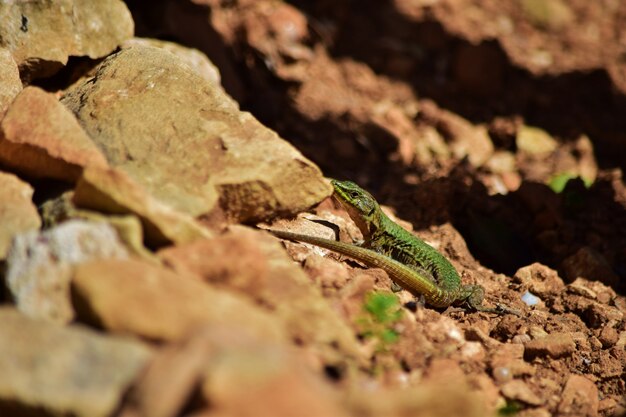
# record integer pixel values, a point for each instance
(530, 299)
(502, 374)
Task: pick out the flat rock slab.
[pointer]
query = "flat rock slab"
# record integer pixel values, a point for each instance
(184, 140)
(112, 191)
(63, 370)
(226, 364)
(146, 300)
(39, 137)
(554, 345)
(18, 214)
(253, 263)
(579, 397)
(42, 34)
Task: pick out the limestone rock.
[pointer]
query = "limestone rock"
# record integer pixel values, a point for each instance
(39, 265)
(554, 345)
(579, 397)
(41, 34)
(128, 226)
(272, 378)
(41, 138)
(112, 191)
(195, 59)
(465, 139)
(227, 364)
(535, 141)
(183, 139)
(63, 370)
(17, 211)
(520, 391)
(253, 263)
(10, 83)
(140, 298)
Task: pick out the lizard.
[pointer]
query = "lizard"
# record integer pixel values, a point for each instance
(409, 261)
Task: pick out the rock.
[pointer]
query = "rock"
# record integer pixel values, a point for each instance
(502, 162)
(579, 397)
(128, 227)
(520, 391)
(534, 141)
(272, 379)
(41, 35)
(113, 191)
(17, 212)
(590, 264)
(552, 15)
(63, 370)
(608, 336)
(187, 143)
(454, 398)
(173, 375)
(540, 280)
(466, 139)
(10, 83)
(140, 298)
(555, 345)
(195, 59)
(39, 265)
(39, 137)
(254, 263)
(226, 364)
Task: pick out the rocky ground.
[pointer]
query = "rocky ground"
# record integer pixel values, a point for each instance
(143, 149)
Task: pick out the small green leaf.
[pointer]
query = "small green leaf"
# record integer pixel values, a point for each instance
(384, 307)
(559, 181)
(389, 336)
(510, 408)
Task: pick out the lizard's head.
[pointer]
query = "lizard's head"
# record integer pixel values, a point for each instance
(360, 205)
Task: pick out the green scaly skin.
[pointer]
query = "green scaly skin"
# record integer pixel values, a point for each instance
(409, 261)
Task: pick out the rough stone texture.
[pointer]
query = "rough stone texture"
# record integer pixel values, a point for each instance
(17, 212)
(195, 59)
(10, 83)
(540, 280)
(39, 137)
(128, 226)
(520, 391)
(254, 263)
(229, 364)
(41, 35)
(182, 138)
(579, 397)
(555, 345)
(113, 191)
(39, 265)
(63, 371)
(272, 379)
(140, 298)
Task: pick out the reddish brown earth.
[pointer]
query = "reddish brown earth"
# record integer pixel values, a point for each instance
(355, 85)
(433, 106)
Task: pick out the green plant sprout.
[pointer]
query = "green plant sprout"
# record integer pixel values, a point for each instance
(381, 311)
(559, 181)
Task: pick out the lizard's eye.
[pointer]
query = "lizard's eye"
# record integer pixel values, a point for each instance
(354, 194)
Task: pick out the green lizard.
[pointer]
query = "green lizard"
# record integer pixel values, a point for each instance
(409, 261)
